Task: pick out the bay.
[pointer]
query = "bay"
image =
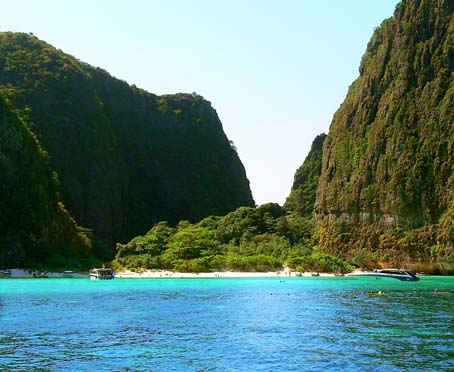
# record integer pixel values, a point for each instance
(247, 324)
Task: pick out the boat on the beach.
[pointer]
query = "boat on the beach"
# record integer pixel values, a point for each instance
(400, 274)
(5, 273)
(101, 274)
(67, 274)
(40, 274)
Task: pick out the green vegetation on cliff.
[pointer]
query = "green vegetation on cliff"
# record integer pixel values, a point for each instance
(304, 189)
(125, 158)
(35, 228)
(260, 239)
(387, 183)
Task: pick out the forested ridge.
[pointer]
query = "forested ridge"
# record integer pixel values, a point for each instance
(125, 158)
(35, 227)
(305, 183)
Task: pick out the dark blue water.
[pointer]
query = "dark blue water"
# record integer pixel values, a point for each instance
(269, 324)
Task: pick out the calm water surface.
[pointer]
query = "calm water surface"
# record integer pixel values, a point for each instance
(269, 324)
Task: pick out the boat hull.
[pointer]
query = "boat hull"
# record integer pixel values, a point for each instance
(401, 277)
(95, 277)
(101, 274)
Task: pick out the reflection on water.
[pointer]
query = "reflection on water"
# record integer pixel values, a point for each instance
(299, 324)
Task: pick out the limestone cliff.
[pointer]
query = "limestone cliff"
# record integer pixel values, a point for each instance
(125, 158)
(387, 177)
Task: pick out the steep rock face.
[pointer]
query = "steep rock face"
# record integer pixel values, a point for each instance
(125, 158)
(35, 228)
(305, 183)
(388, 160)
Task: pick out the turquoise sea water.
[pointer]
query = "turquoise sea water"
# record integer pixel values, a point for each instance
(267, 324)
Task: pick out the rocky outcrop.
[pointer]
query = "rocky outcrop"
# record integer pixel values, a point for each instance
(388, 160)
(125, 158)
(305, 183)
(35, 227)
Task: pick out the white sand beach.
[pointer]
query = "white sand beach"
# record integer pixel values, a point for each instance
(216, 274)
(162, 274)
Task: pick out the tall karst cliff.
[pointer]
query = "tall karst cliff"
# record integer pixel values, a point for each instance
(125, 158)
(387, 182)
(35, 227)
(305, 183)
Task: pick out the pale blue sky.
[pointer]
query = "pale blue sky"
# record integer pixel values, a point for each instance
(275, 71)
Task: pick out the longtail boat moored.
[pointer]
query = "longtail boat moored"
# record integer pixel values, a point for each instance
(101, 274)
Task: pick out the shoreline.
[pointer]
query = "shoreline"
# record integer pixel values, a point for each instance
(168, 274)
(163, 274)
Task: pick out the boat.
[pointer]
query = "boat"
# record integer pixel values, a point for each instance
(400, 274)
(40, 274)
(67, 274)
(5, 273)
(101, 274)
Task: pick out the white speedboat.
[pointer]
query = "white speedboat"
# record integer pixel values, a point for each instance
(101, 274)
(400, 274)
(67, 274)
